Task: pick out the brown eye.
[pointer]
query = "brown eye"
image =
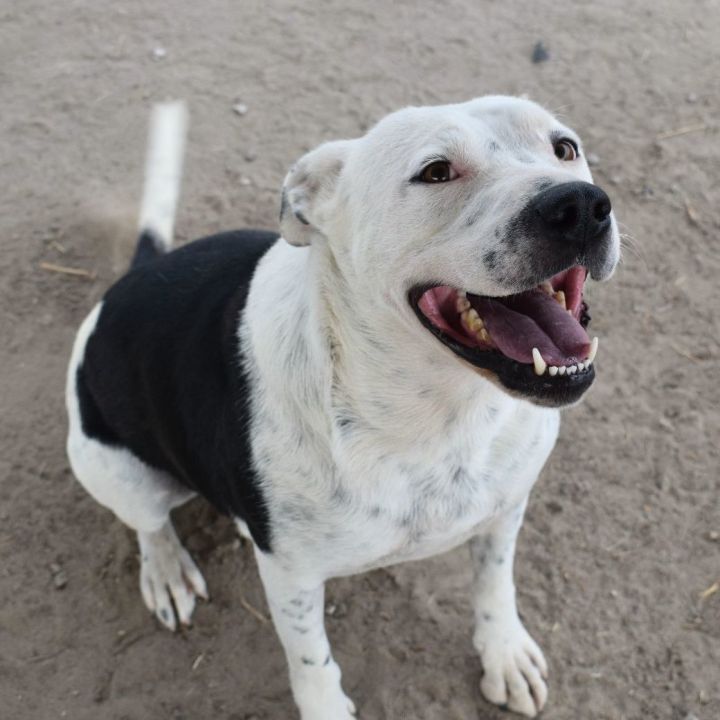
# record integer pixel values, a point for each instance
(437, 172)
(566, 150)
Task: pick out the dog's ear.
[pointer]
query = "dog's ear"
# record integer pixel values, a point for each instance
(308, 190)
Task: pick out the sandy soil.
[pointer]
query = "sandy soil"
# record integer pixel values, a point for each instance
(621, 536)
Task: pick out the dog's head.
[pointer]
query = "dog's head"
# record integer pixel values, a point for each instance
(480, 222)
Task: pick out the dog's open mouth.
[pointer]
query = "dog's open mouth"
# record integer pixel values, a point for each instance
(535, 341)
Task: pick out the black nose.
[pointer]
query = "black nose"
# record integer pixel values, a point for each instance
(576, 212)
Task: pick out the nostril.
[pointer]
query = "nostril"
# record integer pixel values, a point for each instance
(601, 210)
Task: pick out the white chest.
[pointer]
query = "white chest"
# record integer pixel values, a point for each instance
(374, 506)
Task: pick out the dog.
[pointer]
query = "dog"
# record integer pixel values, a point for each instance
(378, 382)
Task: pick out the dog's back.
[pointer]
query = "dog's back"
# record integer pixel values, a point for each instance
(156, 377)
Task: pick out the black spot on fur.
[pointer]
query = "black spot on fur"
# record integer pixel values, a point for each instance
(301, 217)
(300, 629)
(490, 260)
(326, 661)
(346, 423)
(307, 661)
(162, 374)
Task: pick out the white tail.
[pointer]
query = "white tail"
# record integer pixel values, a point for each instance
(163, 171)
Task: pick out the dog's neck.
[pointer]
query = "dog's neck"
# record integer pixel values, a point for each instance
(387, 371)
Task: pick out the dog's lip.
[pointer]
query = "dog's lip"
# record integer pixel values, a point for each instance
(528, 327)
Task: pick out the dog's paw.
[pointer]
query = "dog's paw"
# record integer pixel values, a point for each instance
(328, 705)
(514, 668)
(319, 695)
(169, 579)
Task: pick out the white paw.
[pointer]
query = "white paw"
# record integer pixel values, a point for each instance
(340, 707)
(169, 579)
(319, 695)
(515, 668)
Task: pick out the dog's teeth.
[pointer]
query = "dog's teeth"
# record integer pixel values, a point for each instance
(538, 362)
(461, 293)
(560, 297)
(462, 304)
(484, 336)
(593, 351)
(572, 370)
(562, 370)
(547, 287)
(553, 370)
(477, 324)
(581, 366)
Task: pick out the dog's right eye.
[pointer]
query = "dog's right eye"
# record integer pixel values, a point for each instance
(437, 172)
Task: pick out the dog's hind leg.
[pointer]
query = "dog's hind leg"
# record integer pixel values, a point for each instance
(142, 497)
(514, 666)
(297, 610)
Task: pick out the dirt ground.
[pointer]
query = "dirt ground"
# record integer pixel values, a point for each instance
(619, 554)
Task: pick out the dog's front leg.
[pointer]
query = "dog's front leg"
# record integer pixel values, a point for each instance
(514, 666)
(297, 609)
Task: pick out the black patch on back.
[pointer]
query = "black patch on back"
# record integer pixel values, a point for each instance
(163, 376)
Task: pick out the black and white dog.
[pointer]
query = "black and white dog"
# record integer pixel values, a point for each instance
(379, 384)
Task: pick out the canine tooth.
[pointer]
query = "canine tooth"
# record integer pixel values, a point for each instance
(462, 304)
(538, 362)
(560, 297)
(562, 370)
(593, 350)
(553, 370)
(477, 325)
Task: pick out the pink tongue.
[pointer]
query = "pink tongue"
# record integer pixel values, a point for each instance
(534, 319)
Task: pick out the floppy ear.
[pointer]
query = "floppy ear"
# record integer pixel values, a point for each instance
(307, 191)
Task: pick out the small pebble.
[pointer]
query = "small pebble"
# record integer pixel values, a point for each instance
(540, 53)
(245, 181)
(691, 98)
(159, 53)
(691, 716)
(714, 535)
(59, 576)
(240, 109)
(250, 156)
(592, 159)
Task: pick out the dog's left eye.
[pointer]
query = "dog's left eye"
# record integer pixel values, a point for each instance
(437, 172)
(566, 150)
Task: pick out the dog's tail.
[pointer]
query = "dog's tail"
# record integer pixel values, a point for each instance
(163, 172)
